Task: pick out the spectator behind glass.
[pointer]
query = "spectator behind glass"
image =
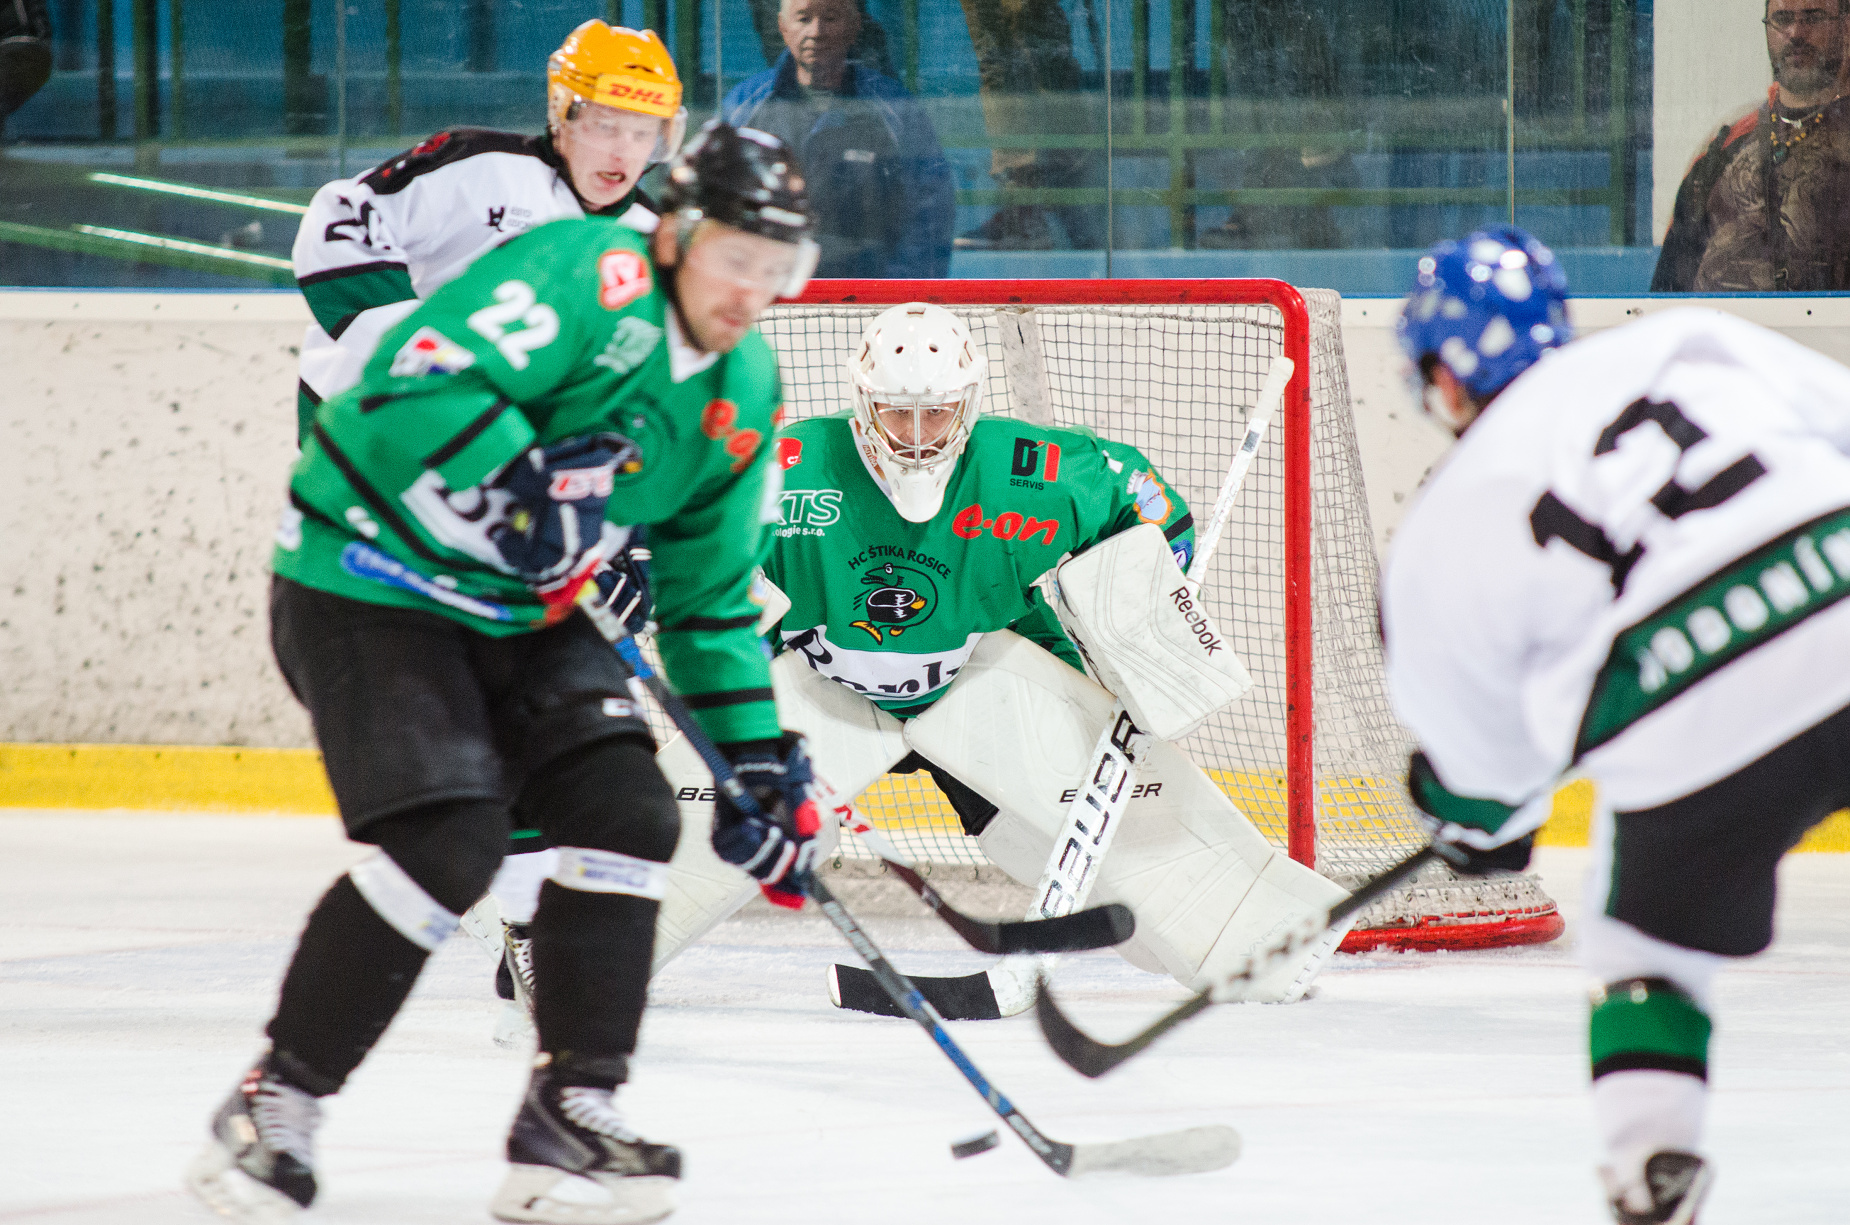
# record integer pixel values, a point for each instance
(1767, 207)
(1030, 83)
(880, 189)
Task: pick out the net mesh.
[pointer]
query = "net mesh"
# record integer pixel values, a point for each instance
(1176, 382)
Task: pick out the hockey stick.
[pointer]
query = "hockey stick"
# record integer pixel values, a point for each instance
(1089, 1057)
(1097, 928)
(1271, 395)
(1091, 929)
(1001, 990)
(1189, 1151)
(1091, 822)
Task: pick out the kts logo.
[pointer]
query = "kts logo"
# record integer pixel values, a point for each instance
(901, 597)
(1008, 525)
(789, 453)
(719, 420)
(811, 507)
(622, 277)
(1034, 458)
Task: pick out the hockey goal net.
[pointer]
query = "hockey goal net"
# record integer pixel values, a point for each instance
(1312, 755)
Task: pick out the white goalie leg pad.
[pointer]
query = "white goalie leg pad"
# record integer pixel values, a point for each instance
(1019, 726)
(852, 742)
(402, 902)
(1146, 635)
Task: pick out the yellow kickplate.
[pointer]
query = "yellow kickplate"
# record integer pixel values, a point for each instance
(1572, 823)
(189, 778)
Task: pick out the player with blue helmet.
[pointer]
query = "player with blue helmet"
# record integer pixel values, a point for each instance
(1482, 311)
(1631, 569)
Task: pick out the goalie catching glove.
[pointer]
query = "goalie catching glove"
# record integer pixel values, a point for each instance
(555, 531)
(778, 852)
(1471, 835)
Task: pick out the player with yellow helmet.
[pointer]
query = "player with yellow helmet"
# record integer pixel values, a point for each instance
(373, 246)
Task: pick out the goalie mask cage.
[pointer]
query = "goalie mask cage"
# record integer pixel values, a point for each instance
(1312, 755)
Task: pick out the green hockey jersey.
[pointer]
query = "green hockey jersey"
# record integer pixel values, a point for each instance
(561, 332)
(893, 609)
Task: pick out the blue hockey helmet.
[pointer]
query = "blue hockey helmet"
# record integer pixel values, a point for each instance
(1488, 307)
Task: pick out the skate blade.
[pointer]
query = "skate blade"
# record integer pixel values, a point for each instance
(541, 1193)
(513, 1027)
(215, 1178)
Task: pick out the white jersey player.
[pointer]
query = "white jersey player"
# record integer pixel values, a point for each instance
(1631, 568)
(372, 247)
(906, 576)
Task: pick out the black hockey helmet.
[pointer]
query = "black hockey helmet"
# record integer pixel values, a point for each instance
(746, 179)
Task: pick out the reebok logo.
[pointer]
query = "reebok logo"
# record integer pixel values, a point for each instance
(1197, 619)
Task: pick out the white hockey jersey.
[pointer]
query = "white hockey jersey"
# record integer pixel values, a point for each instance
(371, 247)
(1632, 565)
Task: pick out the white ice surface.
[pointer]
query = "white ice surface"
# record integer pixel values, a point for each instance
(139, 956)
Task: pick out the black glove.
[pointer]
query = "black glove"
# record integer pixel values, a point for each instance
(557, 515)
(1471, 861)
(780, 851)
(623, 585)
(1459, 825)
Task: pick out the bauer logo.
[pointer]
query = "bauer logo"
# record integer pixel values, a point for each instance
(622, 277)
(1197, 618)
(430, 352)
(789, 452)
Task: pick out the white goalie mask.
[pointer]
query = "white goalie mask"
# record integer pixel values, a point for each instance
(918, 382)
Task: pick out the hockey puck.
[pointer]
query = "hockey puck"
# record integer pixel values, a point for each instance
(980, 1144)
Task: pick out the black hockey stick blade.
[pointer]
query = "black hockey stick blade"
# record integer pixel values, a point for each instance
(965, 998)
(1090, 1057)
(1094, 928)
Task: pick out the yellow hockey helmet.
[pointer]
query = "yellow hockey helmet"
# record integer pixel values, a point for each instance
(615, 66)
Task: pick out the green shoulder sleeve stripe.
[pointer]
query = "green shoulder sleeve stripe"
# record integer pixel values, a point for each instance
(1432, 798)
(337, 295)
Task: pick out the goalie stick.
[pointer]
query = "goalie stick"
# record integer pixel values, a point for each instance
(1100, 927)
(1090, 1057)
(1002, 991)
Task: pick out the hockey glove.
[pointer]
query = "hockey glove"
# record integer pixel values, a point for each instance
(1464, 830)
(623, 585)
(781, 851)
(555, 520)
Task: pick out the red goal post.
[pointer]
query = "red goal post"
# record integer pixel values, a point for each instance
(1203, 346)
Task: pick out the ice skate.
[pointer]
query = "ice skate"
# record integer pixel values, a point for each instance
(574, 1161)
(259, 1167)
(514, 984)
(1676, 1184)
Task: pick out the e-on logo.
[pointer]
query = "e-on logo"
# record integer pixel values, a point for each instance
(901, 597)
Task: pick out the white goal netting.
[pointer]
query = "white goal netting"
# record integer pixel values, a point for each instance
(1176, 379)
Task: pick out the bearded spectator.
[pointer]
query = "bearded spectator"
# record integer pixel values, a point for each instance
(1767, 207)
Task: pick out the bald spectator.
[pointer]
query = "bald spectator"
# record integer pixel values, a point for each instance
(1767, 207)
(879, 185)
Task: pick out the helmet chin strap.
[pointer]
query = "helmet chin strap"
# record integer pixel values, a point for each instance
(671, 287)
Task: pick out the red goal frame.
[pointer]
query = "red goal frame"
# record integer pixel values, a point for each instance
(1295, 435)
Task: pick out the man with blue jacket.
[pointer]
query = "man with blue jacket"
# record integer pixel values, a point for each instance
(881, 195)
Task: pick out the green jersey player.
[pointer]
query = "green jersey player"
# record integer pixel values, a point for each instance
(506, 435)
(912, 536)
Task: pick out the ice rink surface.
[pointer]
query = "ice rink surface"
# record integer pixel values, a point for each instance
(139, 956)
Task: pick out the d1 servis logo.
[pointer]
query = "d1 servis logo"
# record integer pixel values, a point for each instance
(900, 598)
